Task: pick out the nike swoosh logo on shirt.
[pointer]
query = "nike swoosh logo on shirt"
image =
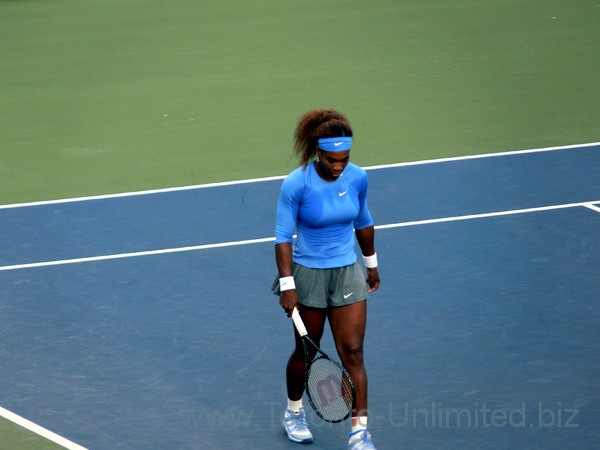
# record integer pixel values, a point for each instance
(341, 194)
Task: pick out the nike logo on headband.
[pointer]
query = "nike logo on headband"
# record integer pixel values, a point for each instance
(335, 144)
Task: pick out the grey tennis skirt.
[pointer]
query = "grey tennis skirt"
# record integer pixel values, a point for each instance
(321, 288)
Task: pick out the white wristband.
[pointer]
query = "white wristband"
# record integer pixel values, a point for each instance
(286, 284)
(370, 261)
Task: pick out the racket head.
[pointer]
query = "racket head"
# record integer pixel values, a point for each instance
(330, 389)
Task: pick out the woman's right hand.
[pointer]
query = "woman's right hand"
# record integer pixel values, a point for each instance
(288, 301)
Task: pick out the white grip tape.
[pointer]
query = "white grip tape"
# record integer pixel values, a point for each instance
(298, 323)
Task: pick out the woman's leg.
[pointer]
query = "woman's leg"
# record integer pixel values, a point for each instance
(348, 325)
(314, 321)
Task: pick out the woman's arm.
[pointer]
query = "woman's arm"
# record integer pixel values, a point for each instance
(283, 256)
(366, 241)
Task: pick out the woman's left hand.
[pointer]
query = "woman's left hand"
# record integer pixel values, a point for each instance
(373, 279)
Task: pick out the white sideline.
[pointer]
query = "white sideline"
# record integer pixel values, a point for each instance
(588, 204)
(134, 254)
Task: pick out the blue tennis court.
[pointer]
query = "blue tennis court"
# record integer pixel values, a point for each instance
(145, 321)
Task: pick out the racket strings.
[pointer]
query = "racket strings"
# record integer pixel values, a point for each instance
(330, 390)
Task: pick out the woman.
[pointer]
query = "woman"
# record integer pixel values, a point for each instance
(324, 201)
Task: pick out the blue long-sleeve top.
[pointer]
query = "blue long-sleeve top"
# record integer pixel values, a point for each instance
(324, 215)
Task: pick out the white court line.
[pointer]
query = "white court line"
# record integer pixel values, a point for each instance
(41, 431)
(492, 214)
(135, 254)
(484, 155)
(592, 207)
(281, 177)
(272, 239)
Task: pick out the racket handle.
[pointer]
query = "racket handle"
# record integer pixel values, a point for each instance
(298, 322)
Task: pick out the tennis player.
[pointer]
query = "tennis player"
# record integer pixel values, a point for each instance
(324, 202)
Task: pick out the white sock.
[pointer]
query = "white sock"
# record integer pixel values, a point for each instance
(360, 425)
(294, 405)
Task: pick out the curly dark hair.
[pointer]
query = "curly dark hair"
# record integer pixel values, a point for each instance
(314, 125)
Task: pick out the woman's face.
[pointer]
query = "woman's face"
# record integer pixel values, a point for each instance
(331, 164)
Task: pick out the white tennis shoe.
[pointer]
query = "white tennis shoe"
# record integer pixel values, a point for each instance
(296, 426)
(361, 440)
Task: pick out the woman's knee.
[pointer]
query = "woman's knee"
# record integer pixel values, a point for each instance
(352, 353)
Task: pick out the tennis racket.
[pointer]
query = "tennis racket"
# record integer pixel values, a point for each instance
(329, 388)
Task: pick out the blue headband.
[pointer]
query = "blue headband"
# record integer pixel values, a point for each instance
(335, 144)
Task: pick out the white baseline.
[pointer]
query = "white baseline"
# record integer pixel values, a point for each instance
(41, 431)
(281, 177)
